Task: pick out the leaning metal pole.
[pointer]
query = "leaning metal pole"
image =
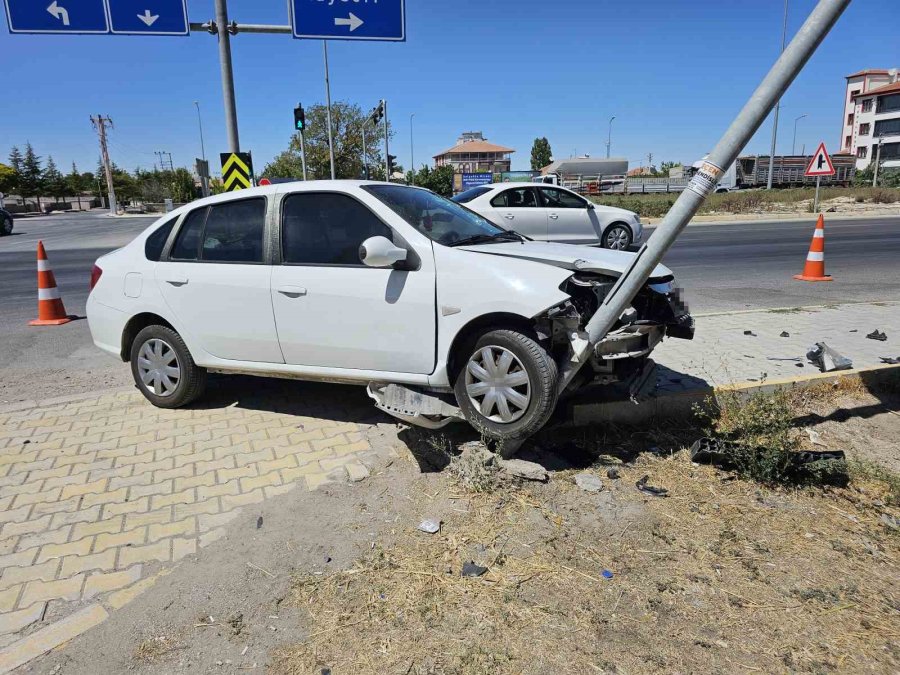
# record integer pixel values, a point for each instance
(791, 62)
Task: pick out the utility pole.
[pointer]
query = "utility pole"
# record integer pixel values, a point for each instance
(609, 136)
(100, 125)
(777, 107)
(387, 161)
(222, 30)
(794, 143)
(877, 161)
(171, 166)
(328, 108)
(412, 156)
(365, 150)
(303, 151)
(649, 160)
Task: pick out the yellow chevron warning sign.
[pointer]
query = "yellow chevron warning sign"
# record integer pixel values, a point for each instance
(237, 170)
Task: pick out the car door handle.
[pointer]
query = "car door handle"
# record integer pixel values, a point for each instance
(176, 279)
(553, 216)
(292, 291)
(509, 216)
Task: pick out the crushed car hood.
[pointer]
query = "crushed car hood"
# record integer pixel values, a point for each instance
(567, 256)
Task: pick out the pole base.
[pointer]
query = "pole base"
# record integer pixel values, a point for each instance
(49, 322)
(803, 277)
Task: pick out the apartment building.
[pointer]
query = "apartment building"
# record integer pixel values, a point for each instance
(872, 117)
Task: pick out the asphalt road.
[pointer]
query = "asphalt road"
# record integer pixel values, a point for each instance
(722, 268)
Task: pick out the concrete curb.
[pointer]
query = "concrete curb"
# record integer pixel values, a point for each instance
(680, 406)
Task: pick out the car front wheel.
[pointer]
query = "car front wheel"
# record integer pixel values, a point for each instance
(164, 369)
(506, 386)
(617, 237)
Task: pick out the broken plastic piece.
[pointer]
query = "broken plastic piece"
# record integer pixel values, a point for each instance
(784, 333)
(827, 359)
(750, 333)
(877, 335)
(650, 489)
(430, 526)
(889, 360)
(607, 574)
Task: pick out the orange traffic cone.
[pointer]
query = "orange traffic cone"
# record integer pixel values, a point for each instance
(814, 270)
(51, 311)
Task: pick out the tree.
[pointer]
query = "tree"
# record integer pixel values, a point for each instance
(53, 181)
(74, 182)
(155, 186)
(347, 120)
(30, 177)
(439, 180)
(8, 179)
(541, 154)
(665, 167)
(15, 163)
(124, 184)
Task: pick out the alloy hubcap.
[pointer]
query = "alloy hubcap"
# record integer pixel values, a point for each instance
(617, 239)
(158, 367)
(498, 384)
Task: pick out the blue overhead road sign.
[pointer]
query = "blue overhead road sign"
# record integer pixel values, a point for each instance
(345, 20)
(148, 17)
(56, 16)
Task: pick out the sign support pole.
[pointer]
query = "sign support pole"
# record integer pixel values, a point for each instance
(754, 113)
(816, 205)
(328, 108)
(303, 153)
(387, 162)
(234, 143)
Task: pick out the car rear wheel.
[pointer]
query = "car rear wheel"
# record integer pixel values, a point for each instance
(6, 225)
(164, 369)
(506, 387)
(617, 237)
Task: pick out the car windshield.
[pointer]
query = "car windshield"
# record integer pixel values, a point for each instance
(439, 219)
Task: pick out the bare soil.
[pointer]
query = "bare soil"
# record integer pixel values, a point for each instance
(723, 574)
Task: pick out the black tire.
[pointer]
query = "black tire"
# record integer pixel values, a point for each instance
(191, 381)
(620, 233)
(542, 377)
(6, 226)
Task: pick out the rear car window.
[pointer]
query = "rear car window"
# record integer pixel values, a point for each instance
(470, 194)
(187, 245)
(228, 232)
(155, 243)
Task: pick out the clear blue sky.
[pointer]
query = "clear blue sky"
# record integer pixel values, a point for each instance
(674, 73)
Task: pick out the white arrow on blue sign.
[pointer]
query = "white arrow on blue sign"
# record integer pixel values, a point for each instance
(383, 20)
(120, 17)
(148, 17)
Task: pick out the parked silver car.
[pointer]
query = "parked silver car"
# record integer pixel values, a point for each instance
(552, 213)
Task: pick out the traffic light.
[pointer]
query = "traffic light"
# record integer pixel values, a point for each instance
(391, 160)
(378, 113)
(299, 118)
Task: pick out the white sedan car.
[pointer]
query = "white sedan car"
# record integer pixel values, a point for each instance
(440, 312)
(552, 213)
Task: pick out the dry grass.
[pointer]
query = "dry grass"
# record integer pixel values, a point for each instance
(724, 575)
(154, 648)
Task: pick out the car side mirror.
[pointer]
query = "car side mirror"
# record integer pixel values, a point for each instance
(380, 252)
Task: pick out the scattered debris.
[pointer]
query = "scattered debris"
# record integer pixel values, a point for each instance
(236, 621)
(890, 361)
(784, 333)
(650, 489)
(827, 359)
(607, 574)
(259, 522)
(815, 437)
(814, 466)
(588, 482)
(430, 526)
(470, 569)
(613, 473)
(891, 521)
(522, 469)
(750, 333)
(783, 358)
(877, 335)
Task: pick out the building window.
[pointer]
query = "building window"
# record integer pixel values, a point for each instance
(862, 152)
(850, 119)
(854, 93)
(890, 103)
(847, 141)
(864, 129)
(867, 105)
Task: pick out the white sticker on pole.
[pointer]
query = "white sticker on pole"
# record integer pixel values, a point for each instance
(706, 179)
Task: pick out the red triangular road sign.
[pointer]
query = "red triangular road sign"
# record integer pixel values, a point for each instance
(821, 163)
